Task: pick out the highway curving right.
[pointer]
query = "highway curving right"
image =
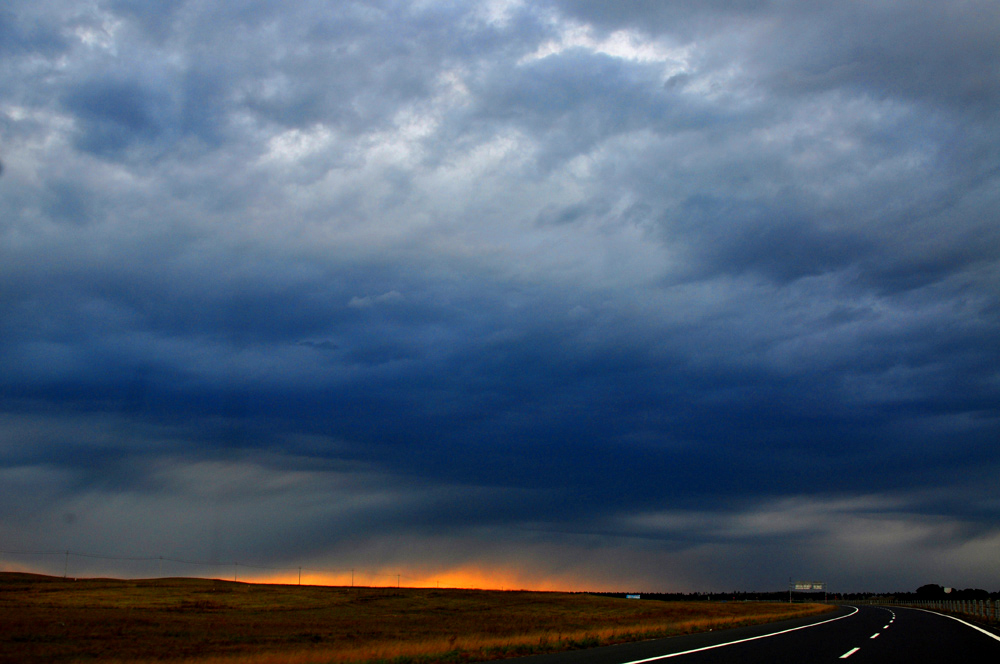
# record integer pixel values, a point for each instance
(855, 635)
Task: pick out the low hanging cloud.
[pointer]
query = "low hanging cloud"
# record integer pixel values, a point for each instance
(368, 301)
(570, 282)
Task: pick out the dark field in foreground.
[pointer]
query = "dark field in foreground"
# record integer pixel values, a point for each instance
(47, 619)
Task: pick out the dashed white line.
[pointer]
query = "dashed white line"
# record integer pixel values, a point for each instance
(849, 653)
(874, 636)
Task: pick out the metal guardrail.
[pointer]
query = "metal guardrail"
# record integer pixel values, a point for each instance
(983, 609)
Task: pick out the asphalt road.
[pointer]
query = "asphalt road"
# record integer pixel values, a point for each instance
(855, 635)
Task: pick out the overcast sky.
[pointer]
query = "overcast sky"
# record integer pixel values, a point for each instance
(668, 296)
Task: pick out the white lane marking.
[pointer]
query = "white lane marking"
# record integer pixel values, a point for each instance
(886, 627)
(945, 615)
(874, 636)
(752, 638)
(849, 653)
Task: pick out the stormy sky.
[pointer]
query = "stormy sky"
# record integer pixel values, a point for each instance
(668, 296)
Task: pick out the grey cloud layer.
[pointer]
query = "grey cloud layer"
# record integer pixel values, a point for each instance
(581, 262)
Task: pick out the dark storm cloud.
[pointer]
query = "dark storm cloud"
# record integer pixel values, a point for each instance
(24, 33)
(578, 100)
(115, 115)
(706, 283)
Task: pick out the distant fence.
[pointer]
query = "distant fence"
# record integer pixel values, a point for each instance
(984, 609)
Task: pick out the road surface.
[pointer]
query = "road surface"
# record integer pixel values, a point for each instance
(851, 635)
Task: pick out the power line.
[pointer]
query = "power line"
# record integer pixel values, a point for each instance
(200, 563)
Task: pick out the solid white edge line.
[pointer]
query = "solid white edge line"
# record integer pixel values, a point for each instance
(849, 653)
(945, 615)
(730, 643)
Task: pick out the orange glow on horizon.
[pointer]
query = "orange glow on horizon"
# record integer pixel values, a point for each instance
(465, 577)
(471, 576)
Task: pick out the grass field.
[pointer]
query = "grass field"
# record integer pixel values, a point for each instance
(52, 620)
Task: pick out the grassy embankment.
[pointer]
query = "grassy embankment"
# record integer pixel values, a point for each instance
(199, 621)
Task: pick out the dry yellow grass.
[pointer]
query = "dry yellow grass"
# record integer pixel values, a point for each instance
(198, 621)
(478, 649)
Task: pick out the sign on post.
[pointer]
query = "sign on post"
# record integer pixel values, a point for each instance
(805, 586)
(808, 585)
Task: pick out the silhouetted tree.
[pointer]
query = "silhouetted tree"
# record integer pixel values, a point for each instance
(970, 593)
(930, 591)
